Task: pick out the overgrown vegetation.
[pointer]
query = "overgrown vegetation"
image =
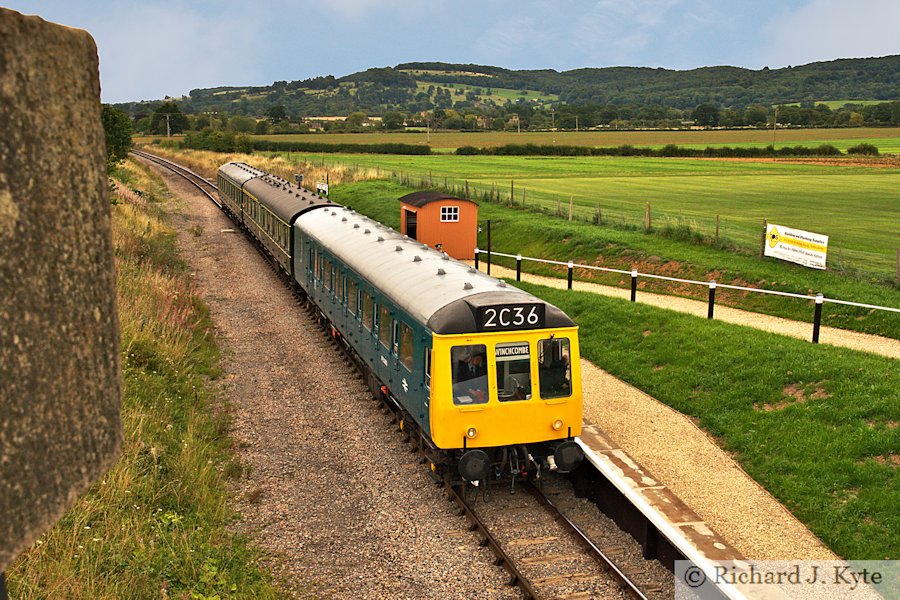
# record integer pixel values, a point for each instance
(156, 525)
(817, 426)
(117, 129)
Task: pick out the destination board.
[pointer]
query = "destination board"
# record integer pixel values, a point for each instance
(506, 317)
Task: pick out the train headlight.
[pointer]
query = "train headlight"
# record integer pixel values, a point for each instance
(557, 424)
(471, 432)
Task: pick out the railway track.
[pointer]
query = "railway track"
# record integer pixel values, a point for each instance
(198, 181)
(545, 552)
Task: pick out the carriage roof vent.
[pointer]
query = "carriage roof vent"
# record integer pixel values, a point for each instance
(367, 231)
(468, 286)
(472, 270)
(356, 226)
(344, 220)
(442, 272)
(380, 239)
(445, 256)
(417, 258)
(398, 249)
(501, 284)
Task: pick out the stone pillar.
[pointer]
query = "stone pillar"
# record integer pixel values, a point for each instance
(60, 381)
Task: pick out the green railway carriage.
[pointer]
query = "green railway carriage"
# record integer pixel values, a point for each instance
(231, 178)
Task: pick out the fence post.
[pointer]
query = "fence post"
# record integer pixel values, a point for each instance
(518, 267)
(571, 203)
(762, 239)
(476, 258)
(599, 215)
(898, 265)
(467, 189)
(489, 247)
(557, 206)
(817, 319)
(523, 198)
(570, 274)
(712, 299)
(512, 194)
(647, 218)
(634, 275)
(717, 229)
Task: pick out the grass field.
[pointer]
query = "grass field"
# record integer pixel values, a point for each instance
(886, 139)
(816, 426)
(858, 207)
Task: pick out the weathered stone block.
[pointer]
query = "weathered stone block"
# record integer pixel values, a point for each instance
(60, 382)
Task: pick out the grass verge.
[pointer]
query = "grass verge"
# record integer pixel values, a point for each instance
(536, 235)
(157, 524)
(817, 426)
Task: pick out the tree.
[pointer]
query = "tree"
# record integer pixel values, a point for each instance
(392, 120)
(168, 111)
(242, 124)
(118, 129)
(706, 115)
(276, 113)
(356, 119)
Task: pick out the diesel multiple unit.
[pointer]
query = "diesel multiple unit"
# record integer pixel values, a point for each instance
(485, 375)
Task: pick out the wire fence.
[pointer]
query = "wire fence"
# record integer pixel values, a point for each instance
(819, 299)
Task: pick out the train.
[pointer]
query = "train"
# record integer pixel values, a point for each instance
(484, 376)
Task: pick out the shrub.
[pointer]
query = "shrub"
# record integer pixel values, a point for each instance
(863, 149)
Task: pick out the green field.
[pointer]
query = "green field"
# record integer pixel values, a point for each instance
(886, 139)
(857, 207)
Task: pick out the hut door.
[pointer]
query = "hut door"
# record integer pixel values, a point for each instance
(411, 224)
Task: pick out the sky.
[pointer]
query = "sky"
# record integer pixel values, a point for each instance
(150, 49)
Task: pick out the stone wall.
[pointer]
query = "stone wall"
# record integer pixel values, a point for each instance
(60, 382)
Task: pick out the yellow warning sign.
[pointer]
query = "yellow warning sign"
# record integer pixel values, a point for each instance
(795, 245)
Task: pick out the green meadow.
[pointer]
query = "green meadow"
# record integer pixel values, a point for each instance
(858, 207)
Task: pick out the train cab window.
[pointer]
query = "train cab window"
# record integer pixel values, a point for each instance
(385, 328)
(554, 368)
(367, 311)
(513, 371)
(351, 296)
(470, 381)
(405, 346)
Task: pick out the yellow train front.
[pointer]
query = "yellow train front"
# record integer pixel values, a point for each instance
(505, 401)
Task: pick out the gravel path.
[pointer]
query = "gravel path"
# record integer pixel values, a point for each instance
(332, 494)
(827, 335)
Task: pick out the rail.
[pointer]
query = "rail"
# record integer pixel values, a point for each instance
(819, 299)
(605, 562)
(184, 172)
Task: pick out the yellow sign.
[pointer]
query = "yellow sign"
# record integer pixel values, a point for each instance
(795, 245)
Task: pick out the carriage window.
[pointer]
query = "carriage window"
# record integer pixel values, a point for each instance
(328, 273)
(384, 331)
(555, 368)
(405, 349)
(470, 382)
(367, 311)
(351, 296)
(428, 368)
(513, 371)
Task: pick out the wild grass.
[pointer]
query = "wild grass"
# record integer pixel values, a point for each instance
(157, 524)
(817, 426)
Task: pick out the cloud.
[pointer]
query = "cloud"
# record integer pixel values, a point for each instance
(828, 29)
(508, 39)
(147, 51)
(617, 32)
